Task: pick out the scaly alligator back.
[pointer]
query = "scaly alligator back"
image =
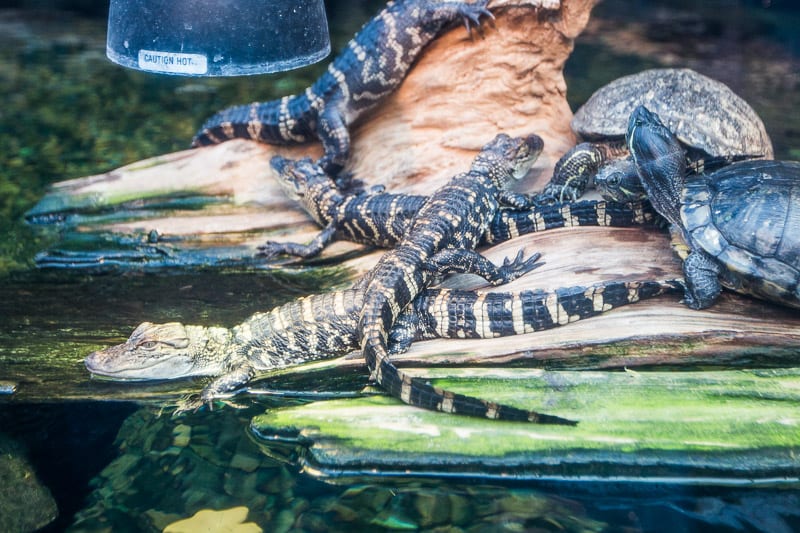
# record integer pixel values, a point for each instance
(309, 328)
(372, 65)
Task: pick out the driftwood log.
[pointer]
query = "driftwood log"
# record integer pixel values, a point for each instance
(464, 89)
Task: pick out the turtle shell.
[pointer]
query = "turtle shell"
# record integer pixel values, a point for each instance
(747, 216)
(703, 113)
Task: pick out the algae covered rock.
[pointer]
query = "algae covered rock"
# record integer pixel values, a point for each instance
(736, 425)
(25, 504)
(227, 520)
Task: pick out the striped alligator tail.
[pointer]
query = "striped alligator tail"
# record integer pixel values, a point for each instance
(418, 393)
(287, 120)
(445, 313)
(421, 394)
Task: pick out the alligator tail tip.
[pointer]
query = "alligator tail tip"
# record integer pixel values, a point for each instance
(538, 418)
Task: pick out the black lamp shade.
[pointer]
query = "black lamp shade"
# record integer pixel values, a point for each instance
(216, 37)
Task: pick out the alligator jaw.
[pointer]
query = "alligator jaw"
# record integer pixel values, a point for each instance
(104, 364)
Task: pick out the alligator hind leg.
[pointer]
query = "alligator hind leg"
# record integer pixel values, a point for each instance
(470, 12)
(462, 261)
(403, 333)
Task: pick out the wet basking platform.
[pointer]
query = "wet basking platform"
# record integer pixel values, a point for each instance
(661, 392)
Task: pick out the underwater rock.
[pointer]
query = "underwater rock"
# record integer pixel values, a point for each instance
(25, 504)
(228, 520)
(433, 508)
(245, 457)
(312, 522)
(461, 510)
(161, 520)
(182, 435)
(416, 506)
(241, 485)
(284, 521)
(246, 462)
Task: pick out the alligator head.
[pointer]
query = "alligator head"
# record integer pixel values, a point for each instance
(508, 158)
(163, 351)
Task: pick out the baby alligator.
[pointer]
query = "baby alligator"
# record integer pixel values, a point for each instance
(324, 326)
(372, 65)
(442, 239)
(381, 219)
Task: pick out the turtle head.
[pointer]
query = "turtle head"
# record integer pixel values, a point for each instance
(161, 351)
(618, 181)
(660, 162)
(507, 158)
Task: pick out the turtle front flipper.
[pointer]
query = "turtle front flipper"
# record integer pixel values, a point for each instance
(702, 280)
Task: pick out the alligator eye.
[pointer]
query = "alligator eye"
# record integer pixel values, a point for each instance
(148, 345)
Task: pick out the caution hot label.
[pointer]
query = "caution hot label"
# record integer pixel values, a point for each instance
(173, 62)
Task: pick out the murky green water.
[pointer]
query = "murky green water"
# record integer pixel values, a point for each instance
(121, 467)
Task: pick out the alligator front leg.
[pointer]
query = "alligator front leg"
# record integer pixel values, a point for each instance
(218, 388)
(270, 249)
(235, 379)
(464, 261)
(335, 137)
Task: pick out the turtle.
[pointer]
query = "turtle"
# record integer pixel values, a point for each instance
(740, 224)
(705, 114)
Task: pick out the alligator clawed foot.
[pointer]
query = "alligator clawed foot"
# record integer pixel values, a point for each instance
(269, 250)
(544, 198)
(508, 262)
(569, 194)
(512, 269)
(472, 17)
(189, 404)
(557, 194)
(344, 181)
